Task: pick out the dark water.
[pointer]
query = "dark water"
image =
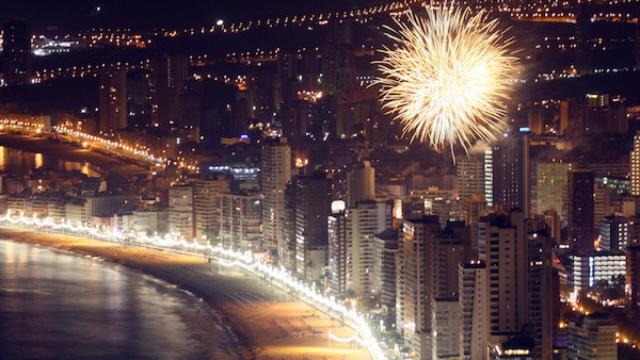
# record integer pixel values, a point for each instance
(55, 305)
(15, 162)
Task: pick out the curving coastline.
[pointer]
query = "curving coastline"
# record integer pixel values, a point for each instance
(262, 320)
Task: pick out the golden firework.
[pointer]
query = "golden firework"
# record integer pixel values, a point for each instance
(448, 76)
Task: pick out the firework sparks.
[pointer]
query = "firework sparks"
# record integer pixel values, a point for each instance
(448, 78)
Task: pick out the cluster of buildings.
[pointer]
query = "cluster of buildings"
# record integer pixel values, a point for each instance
(522, 249)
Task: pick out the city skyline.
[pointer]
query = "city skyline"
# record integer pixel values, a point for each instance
(332, 180)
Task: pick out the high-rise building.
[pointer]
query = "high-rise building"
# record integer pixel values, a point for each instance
(474, 307)
(635, 166)
(470, 176)
(366, 219)
(511, 172)
(614, 233)
(385, 262)
(16, 53)
(338, 248)
(540, 294)
(593, 337)
(207, 207)
(449, 249)
(632, 278)
(447, 323)
(361, 183)
(414, 301)
(590, 269)
(181, 211)
(275, 174)
(551, 188)
(169, 77)
(488, 176)
(312, 204)
(239, 222)
(112, 103)
(580, 208)
(506, 267)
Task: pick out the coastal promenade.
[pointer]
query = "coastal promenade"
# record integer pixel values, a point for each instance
(266, 321)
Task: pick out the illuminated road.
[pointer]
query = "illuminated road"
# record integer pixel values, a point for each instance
(235, 261)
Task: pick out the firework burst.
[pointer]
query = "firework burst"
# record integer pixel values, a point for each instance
(448, 77)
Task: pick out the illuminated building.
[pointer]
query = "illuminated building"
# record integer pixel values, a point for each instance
(470, 176)
(181, 211)
(551, 187)
(506, 257)
(519, 347)
(16, 53)
(275, 174)
(414, 298)
(338, 248)
(366, 219)
(614, 233)
(591, 268)
(361, 183)
(112, 102)
(207, 206)
(474, 307)
(385, 262)
(240, 216)
(150, 221)
(488, 177)
(593, 337)
(635, 166)
(580, 207)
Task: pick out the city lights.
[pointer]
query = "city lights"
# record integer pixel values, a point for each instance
(227, 257)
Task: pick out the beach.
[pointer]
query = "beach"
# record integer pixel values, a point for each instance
(265, 322)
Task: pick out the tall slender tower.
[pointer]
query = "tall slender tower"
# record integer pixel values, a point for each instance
(414, 297)
(635, 164)
(338, 248)
(112, 104)
(581, 209)
(474, 309)
(276, 173)
(16, 56)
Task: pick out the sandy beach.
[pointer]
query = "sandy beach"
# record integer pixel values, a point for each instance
(265, 321)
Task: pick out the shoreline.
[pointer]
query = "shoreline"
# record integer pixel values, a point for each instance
(107, 165)
(259, 319)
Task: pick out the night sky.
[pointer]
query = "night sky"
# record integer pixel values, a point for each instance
(144, 13)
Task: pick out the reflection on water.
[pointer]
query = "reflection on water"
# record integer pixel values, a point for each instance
(16, 161)
(60, 306)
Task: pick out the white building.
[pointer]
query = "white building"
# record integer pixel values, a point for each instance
(361, 183)
(414, 298)
(473, 312)
(181, 211)
(591, 268)
(364, 221)
(150, 221)
(470, 176)
(240, 221)
(275, 174)
(385, 263)
(207, 206)
(593, 338)
(338, 248)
